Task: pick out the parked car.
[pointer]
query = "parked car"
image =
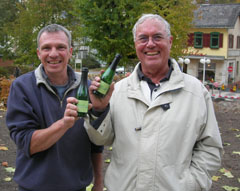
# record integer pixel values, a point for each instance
(120, 70)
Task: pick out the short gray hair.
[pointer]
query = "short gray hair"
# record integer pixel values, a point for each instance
(55, 28)
(151, 16)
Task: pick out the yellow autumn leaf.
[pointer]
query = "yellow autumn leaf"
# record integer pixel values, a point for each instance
(7, 179)
(107, 161)
(215, 178)
(110, 148)
(3, 148)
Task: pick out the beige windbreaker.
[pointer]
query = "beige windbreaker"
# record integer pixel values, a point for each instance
(170, 144)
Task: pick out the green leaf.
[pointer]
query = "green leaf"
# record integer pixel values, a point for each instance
(226, 144)
(236, 152)
(107, 161)
(89, 188)
(10, 169)
(230, 188)
(110, 148)
(226, 173)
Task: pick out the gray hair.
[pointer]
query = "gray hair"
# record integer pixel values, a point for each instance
(151, 16)
(55, 28)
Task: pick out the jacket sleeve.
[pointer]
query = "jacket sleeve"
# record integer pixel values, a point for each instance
(207, 152)
(21, 118)
(101, 134)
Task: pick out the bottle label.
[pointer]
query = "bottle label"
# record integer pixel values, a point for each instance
(103, 88)
(82, 106)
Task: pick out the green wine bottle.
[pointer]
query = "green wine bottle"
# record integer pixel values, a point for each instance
(107, 77)
(82, 94)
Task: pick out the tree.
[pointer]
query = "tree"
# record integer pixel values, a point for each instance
(32, 15)
(108, 23)
(8, 11)
(217, 1)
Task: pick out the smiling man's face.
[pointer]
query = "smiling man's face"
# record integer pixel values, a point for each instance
(54, 53)
(152, 44)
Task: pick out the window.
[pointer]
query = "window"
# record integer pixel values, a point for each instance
(238, 41)
(230, 41)
(198, 40)
(214, 42)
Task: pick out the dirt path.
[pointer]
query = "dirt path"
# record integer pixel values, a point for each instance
(228, 116)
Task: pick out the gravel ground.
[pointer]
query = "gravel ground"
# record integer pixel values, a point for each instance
(228, 116)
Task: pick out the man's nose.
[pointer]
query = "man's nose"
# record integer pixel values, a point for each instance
(150, 42)
(53, 52)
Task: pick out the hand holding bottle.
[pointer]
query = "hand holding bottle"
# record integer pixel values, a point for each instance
(107, 77)
(99, 103)
(82, 94)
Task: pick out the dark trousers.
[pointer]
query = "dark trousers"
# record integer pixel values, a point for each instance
(24, 189)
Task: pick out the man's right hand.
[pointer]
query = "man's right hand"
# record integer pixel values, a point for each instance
(70, 114)
(99, 103)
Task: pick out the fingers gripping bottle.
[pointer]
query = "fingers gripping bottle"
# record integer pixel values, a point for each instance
(82, 94)
(107, 77)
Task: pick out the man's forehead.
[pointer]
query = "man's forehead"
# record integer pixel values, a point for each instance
(152, 27)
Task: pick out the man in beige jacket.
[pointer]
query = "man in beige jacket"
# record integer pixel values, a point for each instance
(160, 122)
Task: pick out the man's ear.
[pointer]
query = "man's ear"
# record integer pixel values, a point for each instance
(71, 51)
(38, 53)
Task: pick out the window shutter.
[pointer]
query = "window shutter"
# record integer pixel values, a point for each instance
(206, 40)
(190, 39)
(220, 40)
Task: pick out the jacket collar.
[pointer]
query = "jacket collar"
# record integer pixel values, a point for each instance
(176, 80)
(41, 77)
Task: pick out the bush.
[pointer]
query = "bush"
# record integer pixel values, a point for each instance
(90, 62)
(8, 71)
(4, 72)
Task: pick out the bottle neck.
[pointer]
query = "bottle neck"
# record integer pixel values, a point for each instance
(115, 62)
(84, 76)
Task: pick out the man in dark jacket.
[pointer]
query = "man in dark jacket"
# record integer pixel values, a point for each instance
(54, 152)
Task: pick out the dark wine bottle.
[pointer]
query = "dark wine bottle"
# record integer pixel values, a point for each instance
(82, 94)
(107, 77)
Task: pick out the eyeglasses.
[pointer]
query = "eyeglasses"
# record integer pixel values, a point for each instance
(143, 39)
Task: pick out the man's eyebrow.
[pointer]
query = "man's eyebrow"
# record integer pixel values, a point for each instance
(156, 34)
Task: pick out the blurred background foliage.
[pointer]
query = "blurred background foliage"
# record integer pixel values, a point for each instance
(105, 26)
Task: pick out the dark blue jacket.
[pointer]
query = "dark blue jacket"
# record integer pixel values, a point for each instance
(66, 166)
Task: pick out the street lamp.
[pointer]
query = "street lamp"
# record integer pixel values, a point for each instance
(183, 61)
(204, 61)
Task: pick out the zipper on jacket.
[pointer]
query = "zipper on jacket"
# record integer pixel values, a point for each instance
(65, 93)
